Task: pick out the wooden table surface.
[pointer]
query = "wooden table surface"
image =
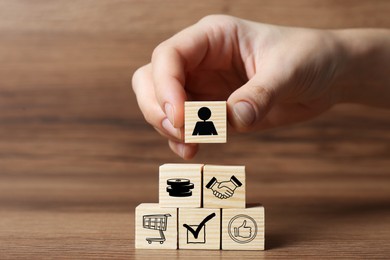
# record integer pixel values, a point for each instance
(76, 156)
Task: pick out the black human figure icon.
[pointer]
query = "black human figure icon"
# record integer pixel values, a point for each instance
(204, 127)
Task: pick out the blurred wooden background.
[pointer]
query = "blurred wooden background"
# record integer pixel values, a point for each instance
(76, 156)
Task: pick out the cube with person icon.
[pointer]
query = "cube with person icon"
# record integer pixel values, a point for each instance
(205, 122)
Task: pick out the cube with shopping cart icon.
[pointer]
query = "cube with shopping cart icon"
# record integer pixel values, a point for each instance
(156, 222)
(156, 227)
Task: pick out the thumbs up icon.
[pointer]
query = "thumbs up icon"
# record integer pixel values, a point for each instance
(242, 228)
(243, 231)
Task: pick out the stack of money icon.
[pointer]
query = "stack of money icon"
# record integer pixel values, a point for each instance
(179, 187)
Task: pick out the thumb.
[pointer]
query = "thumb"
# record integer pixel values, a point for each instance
(250, 103)
(243, 224)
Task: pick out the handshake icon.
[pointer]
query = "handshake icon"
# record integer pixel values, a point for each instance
(224, 189)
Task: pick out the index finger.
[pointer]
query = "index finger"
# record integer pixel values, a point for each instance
(171, 60)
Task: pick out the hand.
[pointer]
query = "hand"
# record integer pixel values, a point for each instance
(270, 75)
(232, 184)
(221, 191)
(229, 185)
(243, 231)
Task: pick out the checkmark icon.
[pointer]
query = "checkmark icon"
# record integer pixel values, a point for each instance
(200, 226)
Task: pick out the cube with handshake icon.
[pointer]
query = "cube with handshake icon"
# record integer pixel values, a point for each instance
(224, 186)
(224, 189)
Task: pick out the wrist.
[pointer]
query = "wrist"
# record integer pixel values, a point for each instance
(363, 77)
(235, 181)
(211, 183)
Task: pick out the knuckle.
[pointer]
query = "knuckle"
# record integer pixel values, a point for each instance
(219, 24)
(138, 74)
(153, 116)
(263, 96)
(217, 19)
(150, 118)
(161, 48)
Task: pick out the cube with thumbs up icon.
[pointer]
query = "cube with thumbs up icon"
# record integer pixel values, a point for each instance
(243, 229)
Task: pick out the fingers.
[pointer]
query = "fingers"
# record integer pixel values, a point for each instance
(185, 151)
(217, 194)
(144, 91)
(223, 193)
(170, 62)
(229, 193)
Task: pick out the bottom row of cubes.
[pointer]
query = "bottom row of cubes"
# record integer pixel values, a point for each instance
(199, 228)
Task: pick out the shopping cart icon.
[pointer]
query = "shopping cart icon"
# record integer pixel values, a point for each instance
(156, 222)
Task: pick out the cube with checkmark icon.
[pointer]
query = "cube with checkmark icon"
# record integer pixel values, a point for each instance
(199, 228)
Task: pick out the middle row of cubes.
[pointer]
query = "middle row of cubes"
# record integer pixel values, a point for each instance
(199, 185)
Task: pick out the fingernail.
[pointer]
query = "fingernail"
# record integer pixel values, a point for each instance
(184, 151)
(245, 113)
(166, 124)
(177, 148)
(169, 112)
(181, 150)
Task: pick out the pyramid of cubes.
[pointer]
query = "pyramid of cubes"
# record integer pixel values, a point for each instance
(201, 206)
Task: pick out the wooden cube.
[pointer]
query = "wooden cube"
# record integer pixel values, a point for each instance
(199, 228)
(224, 186)
(180, 185)
(155, 227)
(243, 229)
(205, 122)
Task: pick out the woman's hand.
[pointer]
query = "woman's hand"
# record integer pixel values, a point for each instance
(269, 75)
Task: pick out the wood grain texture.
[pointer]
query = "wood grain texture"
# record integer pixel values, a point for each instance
(150, 221)
(218, 119)
(76, 156)
(207, 232)
(222, 176)
(243, 229)
(179, 171)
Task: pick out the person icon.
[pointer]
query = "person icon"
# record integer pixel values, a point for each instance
(204, 127)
